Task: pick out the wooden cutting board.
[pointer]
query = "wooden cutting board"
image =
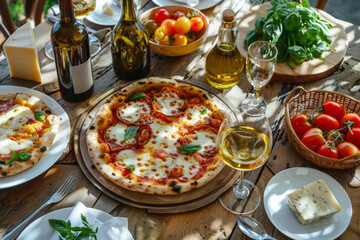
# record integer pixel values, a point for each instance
(307, 71)
(187, 201)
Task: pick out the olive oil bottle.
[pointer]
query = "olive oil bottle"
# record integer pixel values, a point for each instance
(130, 45)
(224, 63)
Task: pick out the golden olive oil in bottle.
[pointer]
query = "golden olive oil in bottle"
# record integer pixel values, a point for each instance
(130, 45)
(224, 63)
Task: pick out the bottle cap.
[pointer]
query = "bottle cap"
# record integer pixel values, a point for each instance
(228, 15)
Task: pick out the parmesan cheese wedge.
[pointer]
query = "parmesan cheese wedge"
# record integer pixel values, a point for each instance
(21, 54)
(107, 9)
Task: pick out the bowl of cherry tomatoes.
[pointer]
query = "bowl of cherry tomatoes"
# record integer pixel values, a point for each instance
(174, 30)
(324, 127)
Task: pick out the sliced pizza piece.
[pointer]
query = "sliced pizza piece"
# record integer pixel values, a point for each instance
(169, 101)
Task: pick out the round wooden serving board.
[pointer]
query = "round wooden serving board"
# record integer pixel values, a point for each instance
(187, 201)
(307, 71)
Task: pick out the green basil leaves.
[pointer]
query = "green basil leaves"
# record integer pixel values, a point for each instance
(39, 116)
(130, 132)
(204, 111)
(130, 167)
(136, 96)
(20, 156)
(189, 148)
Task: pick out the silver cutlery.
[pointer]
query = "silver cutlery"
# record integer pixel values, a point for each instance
(252, 228)
(57, 197)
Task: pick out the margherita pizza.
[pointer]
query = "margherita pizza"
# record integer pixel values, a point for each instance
(156, 136)
(27, 130)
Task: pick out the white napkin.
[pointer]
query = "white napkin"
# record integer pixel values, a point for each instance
(114, 229)
(191, 3)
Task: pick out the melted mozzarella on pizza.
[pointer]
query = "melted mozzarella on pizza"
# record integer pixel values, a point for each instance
(189, 166)
(168, 103)
(20, 121)
(164, 136)
(131, 112)
(192, 116)
(145, 164)
(116, 133)
(7, 145)
(13, 112)
(206, 139)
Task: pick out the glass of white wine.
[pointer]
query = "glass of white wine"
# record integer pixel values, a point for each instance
(82, 8)
(260, 66)
(244, 143)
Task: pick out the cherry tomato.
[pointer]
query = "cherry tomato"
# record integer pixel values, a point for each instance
(161, 15)
(354, 136)
(328, 151)
(159, 34)
(168, 26)
(182, 25)
(346, 149)
(353, 117)
(165, 41)
(300, 124)
(191, 36)
(334, 109)
(335, 136)
(196, 24)
(177, 15)
(326, 122)
(313, 138)
(179, 40)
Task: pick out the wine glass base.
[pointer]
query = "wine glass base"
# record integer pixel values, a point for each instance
(95, 47)
(253, 107)
(245, 205)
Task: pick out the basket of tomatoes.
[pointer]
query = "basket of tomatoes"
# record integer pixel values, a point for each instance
(324, 127)
(174, 30)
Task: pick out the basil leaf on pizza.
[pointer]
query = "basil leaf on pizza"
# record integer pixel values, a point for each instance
(189, 148)
(39, 116)
(137, 96)
(164, 144)
(23, 156)
(130, 167)
(130, 132)
(204, 111)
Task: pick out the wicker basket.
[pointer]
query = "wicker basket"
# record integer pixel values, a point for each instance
(305, 102)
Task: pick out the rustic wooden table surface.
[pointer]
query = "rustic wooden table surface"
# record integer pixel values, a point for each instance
(211, 221)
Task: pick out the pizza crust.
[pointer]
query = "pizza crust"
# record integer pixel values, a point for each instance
(100, 158)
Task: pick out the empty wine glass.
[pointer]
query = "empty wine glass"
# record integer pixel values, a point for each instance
(260, 66)
(82, 8)
(244, 143)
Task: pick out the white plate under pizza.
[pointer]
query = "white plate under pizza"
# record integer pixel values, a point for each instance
(34, 132)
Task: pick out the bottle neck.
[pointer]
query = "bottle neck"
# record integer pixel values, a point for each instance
(67, 11)
(227, 35)
(128, 11)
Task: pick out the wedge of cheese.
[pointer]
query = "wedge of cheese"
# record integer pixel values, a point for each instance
(313, 202)
(107, 9)
(21, 54)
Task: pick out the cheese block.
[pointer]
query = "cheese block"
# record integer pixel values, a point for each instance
(21, 54)
(107, 9)
(313, 202)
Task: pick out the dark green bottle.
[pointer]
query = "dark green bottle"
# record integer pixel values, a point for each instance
(130, 45)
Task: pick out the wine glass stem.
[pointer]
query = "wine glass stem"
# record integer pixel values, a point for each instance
(240, 190)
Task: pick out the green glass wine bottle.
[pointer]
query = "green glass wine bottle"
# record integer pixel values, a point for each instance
(130, 45)
(70, 42)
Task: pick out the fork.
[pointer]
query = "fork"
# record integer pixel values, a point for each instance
(57, 197)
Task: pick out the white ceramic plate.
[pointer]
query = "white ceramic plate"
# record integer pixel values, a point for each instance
(285, 221)
(100, 18)
(40, 228)
(203, 4)
(57, 148)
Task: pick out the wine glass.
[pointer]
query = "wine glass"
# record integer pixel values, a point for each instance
(82, 8)
(260, 66)
(244, 143)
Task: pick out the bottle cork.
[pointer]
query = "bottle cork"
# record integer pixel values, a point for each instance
(228, 15)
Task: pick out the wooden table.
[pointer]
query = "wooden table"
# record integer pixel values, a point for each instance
(211, 221)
